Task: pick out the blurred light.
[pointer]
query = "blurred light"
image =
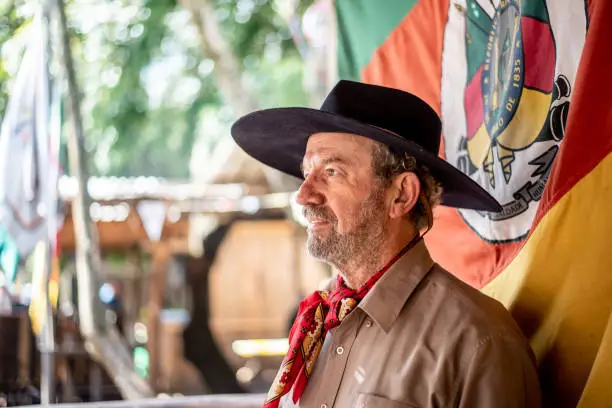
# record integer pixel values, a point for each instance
(122, 211)
(41, 210)
(68, 187)
(140, 333)
(260, 347)
(95, 211)
(67, 309)
(222, 14)
(136, 31)
(245, 375)
(277, 200)
(242, 18)
(26, 294)
(176, 316)
(140, 185)
(206, 67)
(141, 361)
(106, 293)
(111, 77)
(244, 11)
(109, 213)
(144, 13)
(250, 204)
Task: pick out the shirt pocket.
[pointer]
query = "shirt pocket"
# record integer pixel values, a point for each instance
(374, 401)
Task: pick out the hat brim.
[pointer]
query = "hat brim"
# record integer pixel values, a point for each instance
(278, 138)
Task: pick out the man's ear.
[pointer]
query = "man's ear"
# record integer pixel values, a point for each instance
(405, 191)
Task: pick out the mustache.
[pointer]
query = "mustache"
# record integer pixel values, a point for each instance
(321, 212)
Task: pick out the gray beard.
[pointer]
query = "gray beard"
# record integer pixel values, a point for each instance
(362, 246)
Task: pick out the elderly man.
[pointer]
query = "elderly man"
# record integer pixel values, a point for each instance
(395, 329)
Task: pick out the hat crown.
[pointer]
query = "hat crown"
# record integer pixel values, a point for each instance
(393, 110)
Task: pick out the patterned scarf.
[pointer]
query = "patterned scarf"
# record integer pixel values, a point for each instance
(318, 313)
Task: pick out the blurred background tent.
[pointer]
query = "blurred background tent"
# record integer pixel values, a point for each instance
(521, 87)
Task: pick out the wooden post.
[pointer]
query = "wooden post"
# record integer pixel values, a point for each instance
(102, 341)
(65, 375)
(24, 351)
(157, 285)
(95, 382)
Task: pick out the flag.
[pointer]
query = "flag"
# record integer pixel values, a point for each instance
(521, 88)
(29, 147)
(28, 151)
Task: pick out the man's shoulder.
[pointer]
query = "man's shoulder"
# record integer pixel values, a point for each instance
(460, 307)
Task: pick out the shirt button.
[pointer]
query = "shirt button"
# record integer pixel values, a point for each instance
(368, 323)
(340, 350)
(323, 405)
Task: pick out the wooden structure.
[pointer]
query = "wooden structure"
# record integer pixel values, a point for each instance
(254, 295)
(80, 378)
(269, 251)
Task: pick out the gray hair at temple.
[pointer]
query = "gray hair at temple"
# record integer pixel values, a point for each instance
(387, 164)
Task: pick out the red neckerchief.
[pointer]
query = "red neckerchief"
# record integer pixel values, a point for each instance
(318, 313)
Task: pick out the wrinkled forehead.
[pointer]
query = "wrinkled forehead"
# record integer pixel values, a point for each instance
(349, 147)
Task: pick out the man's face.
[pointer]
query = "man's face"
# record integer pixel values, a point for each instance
(343, 201)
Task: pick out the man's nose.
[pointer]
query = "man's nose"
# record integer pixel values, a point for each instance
(308, 194)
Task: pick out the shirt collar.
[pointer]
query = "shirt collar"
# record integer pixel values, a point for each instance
(386, 299)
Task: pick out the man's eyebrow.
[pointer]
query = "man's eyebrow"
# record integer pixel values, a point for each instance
(326, 161)
(333, 159)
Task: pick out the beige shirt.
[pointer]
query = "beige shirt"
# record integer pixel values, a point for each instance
(422, 338)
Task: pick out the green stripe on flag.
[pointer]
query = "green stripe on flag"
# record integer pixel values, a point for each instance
(535, 9)
(477, 35)
(363, 26)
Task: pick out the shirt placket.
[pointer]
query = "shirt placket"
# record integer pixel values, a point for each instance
(340, 342)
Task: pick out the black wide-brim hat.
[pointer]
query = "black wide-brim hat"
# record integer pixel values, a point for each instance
(400, 120)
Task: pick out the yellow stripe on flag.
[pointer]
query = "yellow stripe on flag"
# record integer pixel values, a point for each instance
(598, 388)
(559, 287)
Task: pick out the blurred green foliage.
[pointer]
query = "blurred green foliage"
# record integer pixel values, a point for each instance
(149, 94)
(10, 23)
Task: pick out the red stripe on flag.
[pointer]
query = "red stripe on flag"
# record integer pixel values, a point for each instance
(539, 55)
(588, 137)
(473, 104)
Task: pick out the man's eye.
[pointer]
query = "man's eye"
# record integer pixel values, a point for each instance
(330, 172)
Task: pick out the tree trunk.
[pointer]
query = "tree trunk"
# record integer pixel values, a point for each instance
(102, 340)
(229, 79)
